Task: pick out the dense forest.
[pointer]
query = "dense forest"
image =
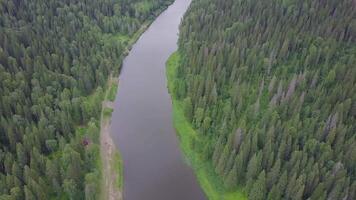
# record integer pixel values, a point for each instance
(270, 86)
(55, 59)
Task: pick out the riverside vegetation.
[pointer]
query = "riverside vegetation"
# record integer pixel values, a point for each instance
(264, 95)
(206, 176)
(55, 60)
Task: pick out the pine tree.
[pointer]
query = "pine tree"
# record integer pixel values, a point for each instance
(231, 180)
(274, 193)
(273, 175)
(258, 190)
(253, 167)
(188, 109)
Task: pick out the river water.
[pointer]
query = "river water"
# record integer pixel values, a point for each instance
(154, 167)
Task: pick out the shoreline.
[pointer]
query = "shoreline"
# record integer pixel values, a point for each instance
(208, 180)
(110, 158)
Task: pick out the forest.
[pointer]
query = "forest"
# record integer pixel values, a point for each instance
(55, 59)
(270, 87)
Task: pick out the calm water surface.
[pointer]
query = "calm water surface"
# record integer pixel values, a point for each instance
(154, 168)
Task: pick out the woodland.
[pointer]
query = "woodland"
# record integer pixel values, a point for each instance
(270, 87)
(55, 59)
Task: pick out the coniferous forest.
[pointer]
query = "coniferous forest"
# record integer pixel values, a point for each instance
(55, 59)
(270, 86)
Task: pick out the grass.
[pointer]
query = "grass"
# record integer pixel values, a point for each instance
(112, 91)
(122, 38)
(207, 178)
(107, 113)
(118, 165)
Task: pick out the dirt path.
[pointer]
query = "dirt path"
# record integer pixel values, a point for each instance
(110, 189)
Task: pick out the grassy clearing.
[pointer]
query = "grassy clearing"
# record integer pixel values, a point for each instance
(107, 112)
(112, 91)
(209, 181)
(118, 166)
(122, 38)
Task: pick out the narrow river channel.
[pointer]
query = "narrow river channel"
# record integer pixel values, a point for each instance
(154, 167)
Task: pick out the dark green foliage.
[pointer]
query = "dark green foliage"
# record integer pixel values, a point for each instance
(276, 81)
(55, 58)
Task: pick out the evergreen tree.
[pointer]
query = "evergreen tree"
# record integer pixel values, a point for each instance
(258, 190)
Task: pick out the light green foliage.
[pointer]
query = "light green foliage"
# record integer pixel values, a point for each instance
(107, 112)
(118, 165)
(112, 91)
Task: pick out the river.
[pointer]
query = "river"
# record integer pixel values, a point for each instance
(142, 129)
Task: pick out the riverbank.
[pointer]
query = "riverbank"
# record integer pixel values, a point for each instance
(111, 162)
(110, 157)
(111, 166)
(209, 181)
(142, 119)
